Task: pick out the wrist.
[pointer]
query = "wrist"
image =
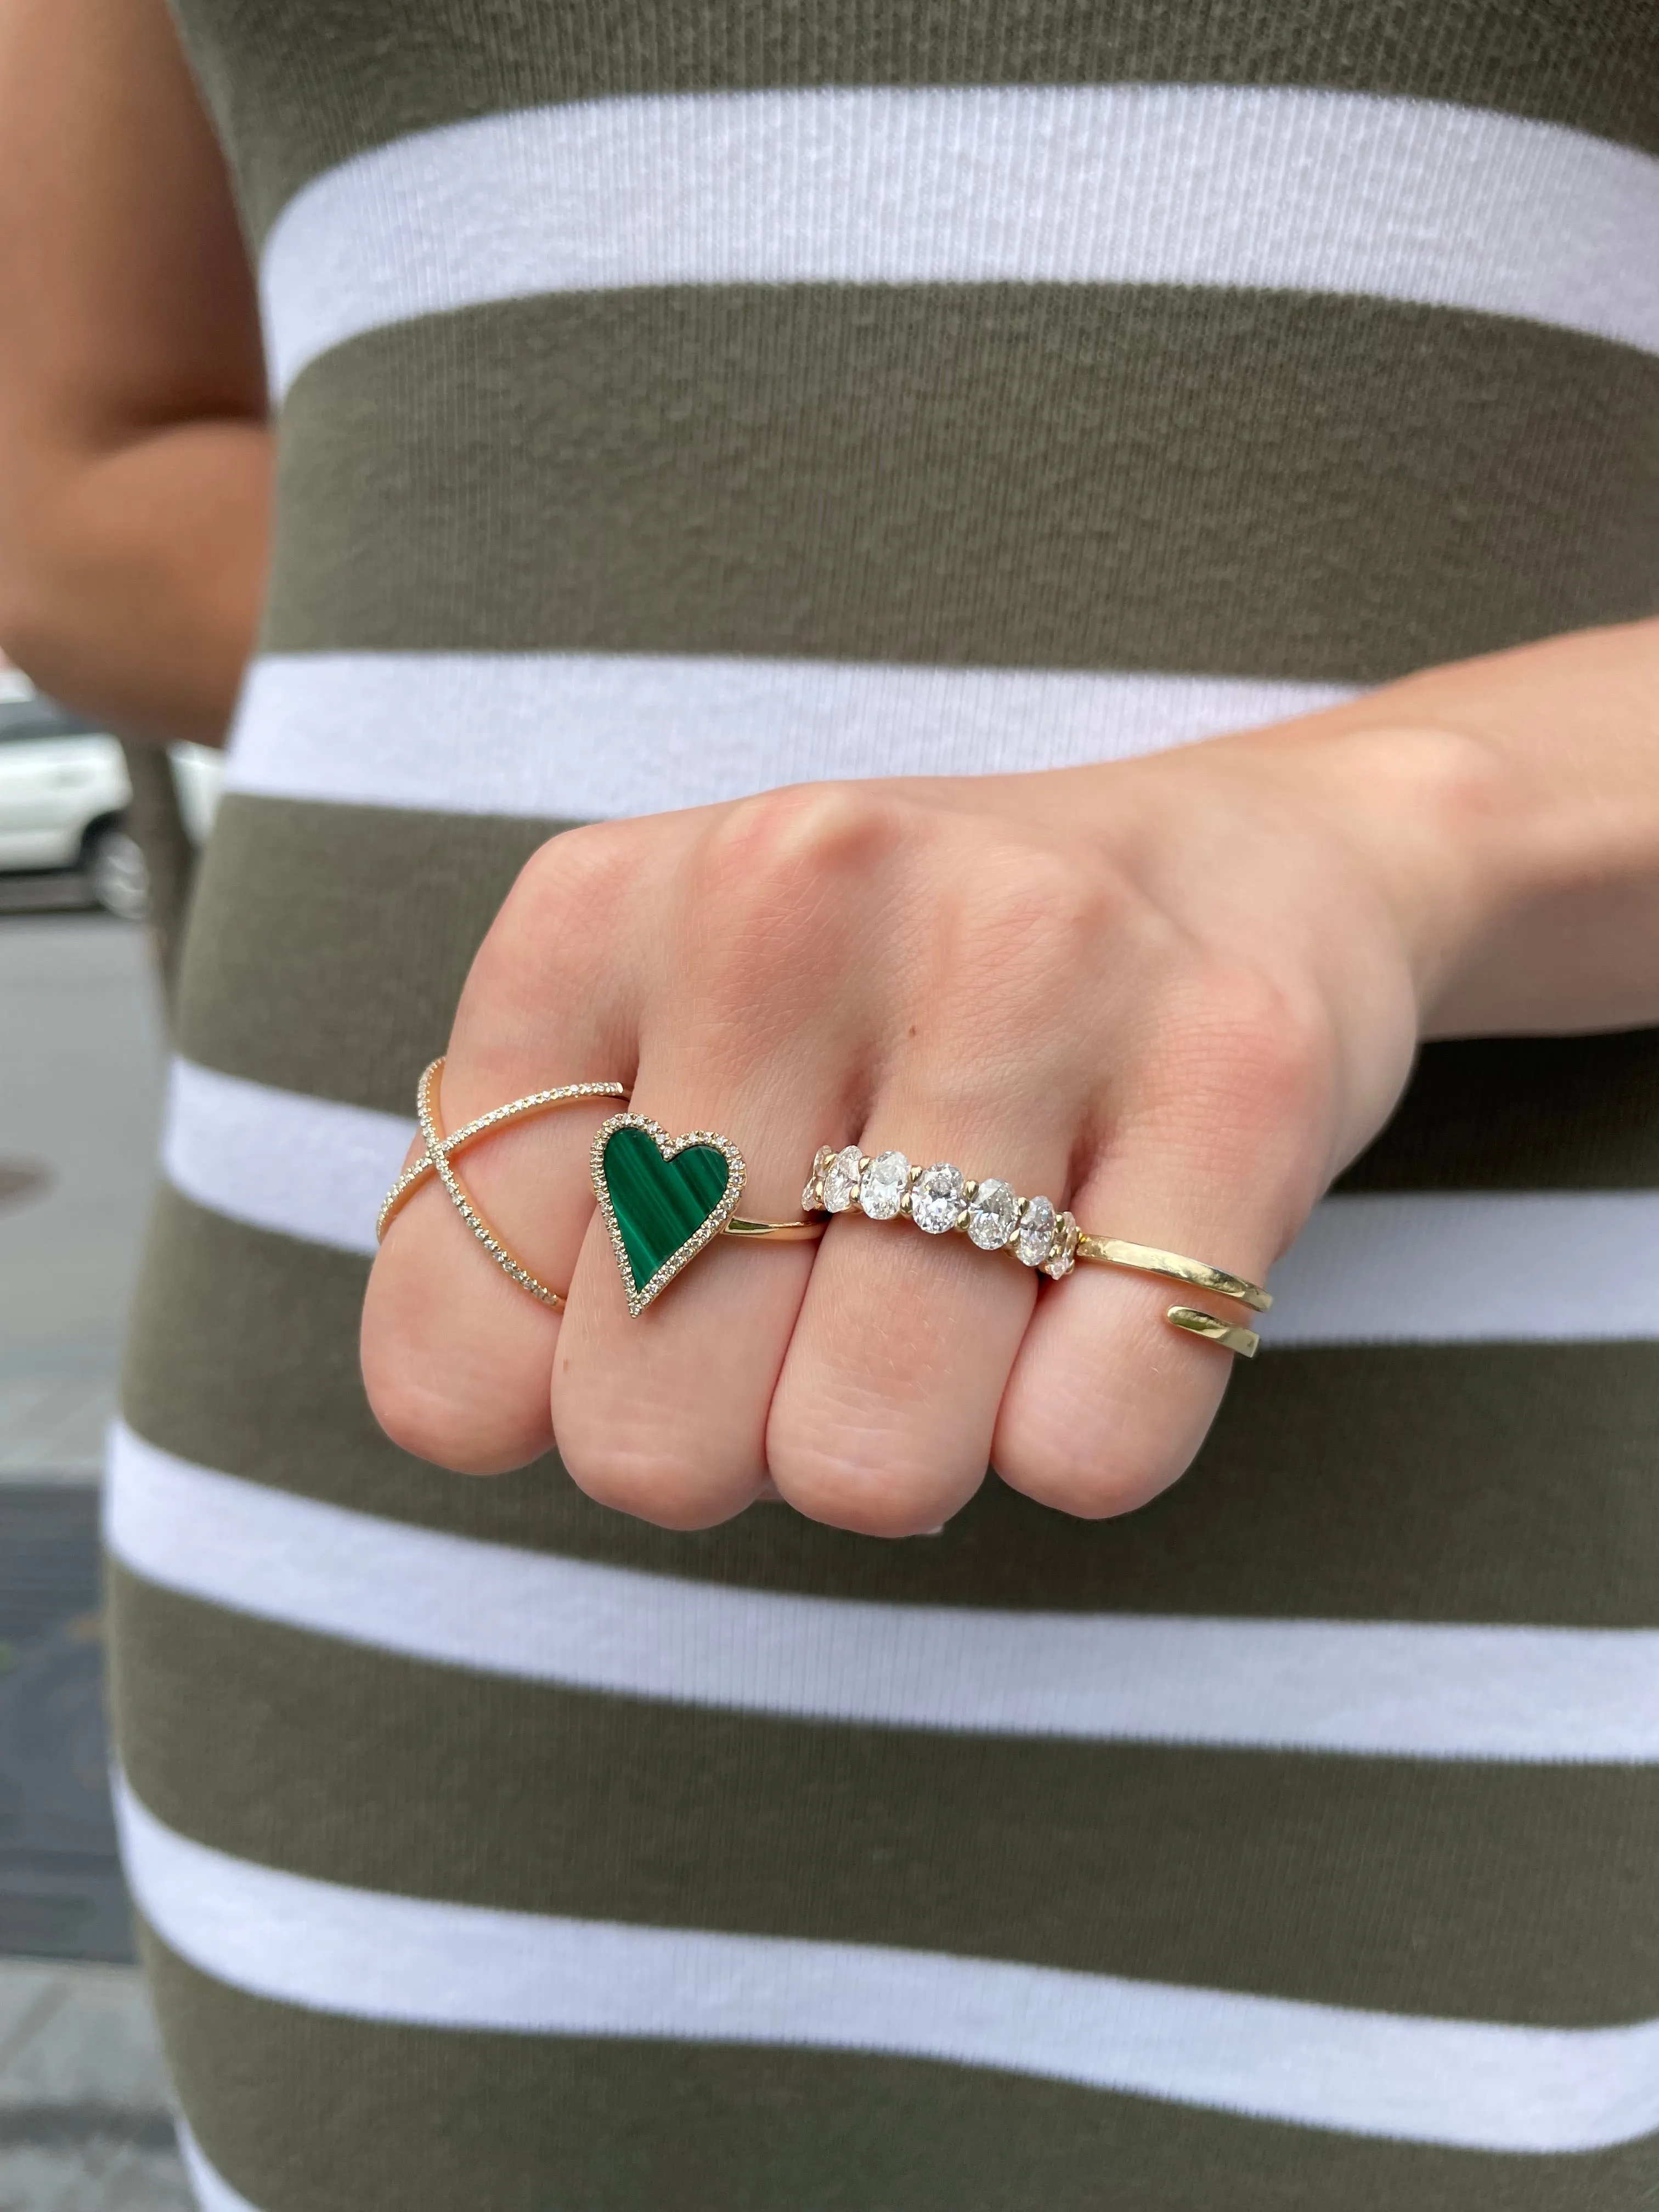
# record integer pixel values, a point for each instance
(1434, 827)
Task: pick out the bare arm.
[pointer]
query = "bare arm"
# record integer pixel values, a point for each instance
(134, 449)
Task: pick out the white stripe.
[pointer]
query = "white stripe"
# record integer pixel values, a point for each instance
(1127, 184)
(1390, 1687)
(591, 736)
(305, 1167)
(1433, 1268)
(371, 1956)
(1465, 1267)
(213, 2192)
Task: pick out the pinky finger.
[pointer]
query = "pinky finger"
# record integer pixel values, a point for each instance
(1122, 1370)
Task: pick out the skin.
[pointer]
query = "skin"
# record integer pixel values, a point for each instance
(135, 455)
(1176, 993)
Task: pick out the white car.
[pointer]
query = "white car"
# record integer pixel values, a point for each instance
(63, 795)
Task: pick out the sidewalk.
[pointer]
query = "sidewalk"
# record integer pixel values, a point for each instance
(85, 2117)
(80, 1076)
(83, 2100)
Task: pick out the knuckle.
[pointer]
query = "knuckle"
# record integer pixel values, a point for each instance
(776, 897)
(433, 1385)
(449, 1429)
(595, 864)
(1069, 1478)
(639, 1477)
(770, 866)
(1273, 1040)
(570, 890)
(868, 1484)
(1250, 1068)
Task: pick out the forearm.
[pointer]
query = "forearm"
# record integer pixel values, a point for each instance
(134, 451)
(130, 580)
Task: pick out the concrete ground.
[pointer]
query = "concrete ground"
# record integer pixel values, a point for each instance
(84, 2119)
(83, 2098)
(81, 1078)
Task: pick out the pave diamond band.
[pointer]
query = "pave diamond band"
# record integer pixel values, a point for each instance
(940, 1199)
(438, 1159)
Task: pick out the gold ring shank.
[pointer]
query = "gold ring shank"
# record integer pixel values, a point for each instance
(1244, 1341)
(1147, 1259)
(777, 1232)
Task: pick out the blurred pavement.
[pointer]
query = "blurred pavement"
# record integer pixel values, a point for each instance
(82, 1069)
(84, 2122)
(84, 2118)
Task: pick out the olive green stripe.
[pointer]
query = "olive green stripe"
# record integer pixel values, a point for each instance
(1259, 484)
(331, 942)
(302, 2111)
(1467, 1482)
(1392, 1885)
(1523, 1113)
(296, 91)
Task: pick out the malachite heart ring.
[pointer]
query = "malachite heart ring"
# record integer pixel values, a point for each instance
(941, 1201)
(664, 1198)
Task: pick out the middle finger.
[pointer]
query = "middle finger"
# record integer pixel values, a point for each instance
(884, 1413)
(663, 1413)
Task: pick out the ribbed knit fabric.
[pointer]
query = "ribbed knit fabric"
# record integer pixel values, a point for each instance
(680, 400)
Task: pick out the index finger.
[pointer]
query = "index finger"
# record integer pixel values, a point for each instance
(457, 1360)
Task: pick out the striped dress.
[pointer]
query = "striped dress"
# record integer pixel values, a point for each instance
(680, 398)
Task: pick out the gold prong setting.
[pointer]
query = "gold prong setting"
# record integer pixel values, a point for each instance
(941, 1201)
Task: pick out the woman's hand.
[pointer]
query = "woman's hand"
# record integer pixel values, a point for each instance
(1175, 994)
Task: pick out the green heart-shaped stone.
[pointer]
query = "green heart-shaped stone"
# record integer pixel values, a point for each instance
(659, 1204)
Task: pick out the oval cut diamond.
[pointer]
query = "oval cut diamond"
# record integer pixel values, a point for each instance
(840, 1179)
(1037, 1230)
(882, 1185)
(995, 1214)
(937, 1201)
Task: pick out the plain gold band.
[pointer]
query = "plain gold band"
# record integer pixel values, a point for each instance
(1147, 1259)
(441, 1152)
(1244, 1341)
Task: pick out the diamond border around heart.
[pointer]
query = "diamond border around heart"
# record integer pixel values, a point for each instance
(639, 1299)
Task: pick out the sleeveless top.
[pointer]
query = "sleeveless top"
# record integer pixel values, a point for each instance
(683, 397)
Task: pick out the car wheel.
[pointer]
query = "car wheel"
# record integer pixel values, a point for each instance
(116, 872)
